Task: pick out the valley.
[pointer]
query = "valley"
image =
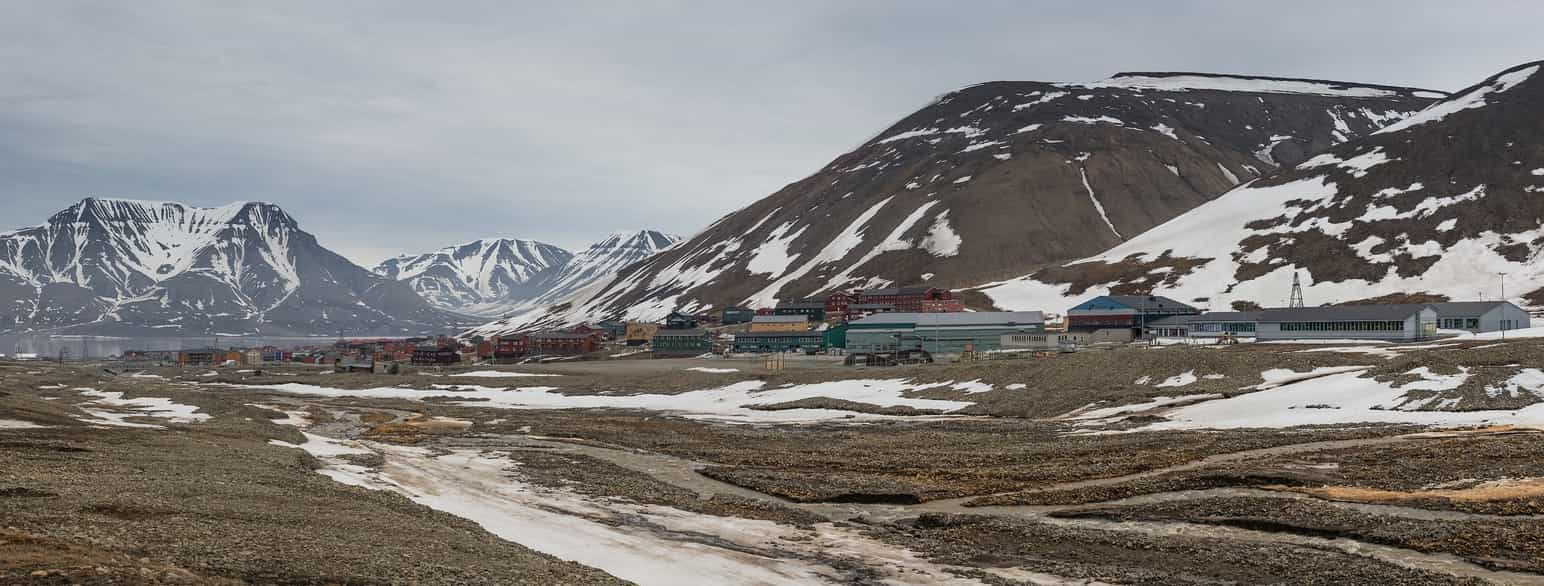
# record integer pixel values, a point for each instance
(1030, 471)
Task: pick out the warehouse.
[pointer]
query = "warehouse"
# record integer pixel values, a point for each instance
(777, 342)
(1394, 323)
(780, 323)
(1216, 324)
(1121, 318)
(681, 343)
(940, 333)
(1480, 316)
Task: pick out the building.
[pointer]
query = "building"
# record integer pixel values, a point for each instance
(1121, 318)
(780, 323)
(838, 302)
(200, 357)
(914, 299)
(682, 343)
(1239, 324)
(615, 329)
(1394, 323)
(640, 333)
(561, 344)
(680, 321)
(940, 333)
(431, 356)
(1480, 316)
(511, 348)
(777, 342)
(857, 311)
(836, 336)
(735, 315)
(812, 310)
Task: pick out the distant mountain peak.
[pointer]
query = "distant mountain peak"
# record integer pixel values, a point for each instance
(508, 275)
(108, 265)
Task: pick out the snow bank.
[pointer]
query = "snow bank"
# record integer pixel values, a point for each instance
(730, 404)
(649, 545)
(491, 374)
(19, 424)
(713, 370)
(152, 407)
(1341, 398)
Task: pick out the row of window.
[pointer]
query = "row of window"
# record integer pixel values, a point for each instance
(1460, 323)
(1343, 326)
(1231, 327)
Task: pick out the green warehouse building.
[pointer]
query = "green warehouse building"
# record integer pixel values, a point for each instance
(940, 333)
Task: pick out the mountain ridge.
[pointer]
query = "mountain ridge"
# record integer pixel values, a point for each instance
(1437, 205)
(988, 182)
(125, 266)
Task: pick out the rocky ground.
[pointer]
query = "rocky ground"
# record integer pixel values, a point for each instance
(184, 478)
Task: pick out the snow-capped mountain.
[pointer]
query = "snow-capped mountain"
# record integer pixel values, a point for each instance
(573, 282)
(1440, 204)
(997, 179)
(114, 266)
(481, 277)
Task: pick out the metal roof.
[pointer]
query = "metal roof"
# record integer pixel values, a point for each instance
(1342, 313)
(1148, 302)
(1467, 307)
(1213, 317)
(779, 319)
(680, 334)
(897, 291)
(963, 318)
(805, 333)
(801, 305)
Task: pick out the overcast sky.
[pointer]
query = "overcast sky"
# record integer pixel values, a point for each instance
(392, 127)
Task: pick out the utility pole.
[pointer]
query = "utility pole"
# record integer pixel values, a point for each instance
(1503, 309)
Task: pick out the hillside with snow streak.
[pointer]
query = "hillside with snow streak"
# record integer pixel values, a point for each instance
(481, 277)
(997, 179)
(110, 266)
(1440, 204)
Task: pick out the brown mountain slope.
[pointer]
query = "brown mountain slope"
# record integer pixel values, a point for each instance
(997, 179)
(1443, 204)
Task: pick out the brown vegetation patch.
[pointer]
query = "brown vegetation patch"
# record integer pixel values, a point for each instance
(1499, 490)
(1400, 298)
(1130, 276)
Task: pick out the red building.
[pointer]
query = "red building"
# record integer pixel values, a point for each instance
(914, 299)
(838, 302)
(436, 356)
(562, 344)
(510, 348)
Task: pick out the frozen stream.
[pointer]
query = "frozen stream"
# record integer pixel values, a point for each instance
(663, 545)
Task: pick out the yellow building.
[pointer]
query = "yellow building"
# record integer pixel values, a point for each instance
(780, 323)
(639, 333)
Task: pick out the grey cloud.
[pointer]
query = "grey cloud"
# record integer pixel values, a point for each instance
(390, 127)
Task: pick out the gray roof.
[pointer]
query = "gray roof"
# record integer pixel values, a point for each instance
(897, 291)
(680, 334)
(1149, 302)
(962, 318)
(1467, 307)
(803, 334)
(1393, 312)
(779, 319)
(1212, 317)
(802, 305)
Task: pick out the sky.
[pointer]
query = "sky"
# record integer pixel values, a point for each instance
(401, 127)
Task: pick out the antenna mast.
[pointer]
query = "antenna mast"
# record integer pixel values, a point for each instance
(1296, 300)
